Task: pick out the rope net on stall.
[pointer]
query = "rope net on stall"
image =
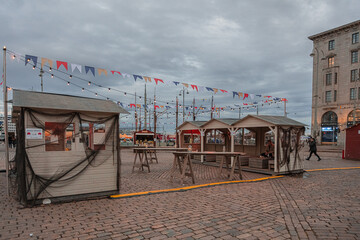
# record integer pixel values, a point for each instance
(60, 135)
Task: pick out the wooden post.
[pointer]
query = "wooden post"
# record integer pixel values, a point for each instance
(6, 124)
(202, 139)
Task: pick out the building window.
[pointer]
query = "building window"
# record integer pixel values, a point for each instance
(354, 75)
(331, 44)
(59, 136)
(331, 61)
(328, 96)
(335, 95)
(355, 38)
(328, 79)
(354, 57)
(353, 118)
(352, 93)
(335, 78)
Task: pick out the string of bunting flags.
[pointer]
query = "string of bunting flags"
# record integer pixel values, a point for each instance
(90, 70)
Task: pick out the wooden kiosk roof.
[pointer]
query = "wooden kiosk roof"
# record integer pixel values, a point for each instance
(53, 101)
(250, 121)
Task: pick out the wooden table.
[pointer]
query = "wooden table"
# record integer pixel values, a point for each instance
(183, 161)
(147, 155)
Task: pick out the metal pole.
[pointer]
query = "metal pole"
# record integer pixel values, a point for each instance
(285, 114)
(212, 107)
(194, 109)
(183, 105)
(177, 122)
(155, 119)
(6, 124)
(316, 94)
(136, 118)
(239, 112)
(145, 108)
(41, 77)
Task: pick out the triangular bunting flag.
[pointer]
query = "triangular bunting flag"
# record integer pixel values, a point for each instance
(75, 66)
(215, 90)
(240, 94)
(252, 96)
(176, 83)
(59, 63)
(223, 91)
(126, 75)
(185, 84)
(137, 76)
(209, 89)
(147, 79)
(29, 58)
(194, 87)
(245, 95)
(158, 80)
(100, 70)
(92, 70)
(235, 94)
(45, 60)
(113, 72)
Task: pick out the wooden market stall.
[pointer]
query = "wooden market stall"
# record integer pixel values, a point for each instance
(249, 134)
(144, 137)
(68, 146)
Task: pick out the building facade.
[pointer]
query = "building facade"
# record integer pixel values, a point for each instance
(336, 83)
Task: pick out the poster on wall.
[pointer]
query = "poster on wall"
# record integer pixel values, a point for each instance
(34, 133)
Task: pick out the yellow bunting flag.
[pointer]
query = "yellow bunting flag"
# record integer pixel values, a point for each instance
(185, 84)
(215, 90)
(46, 60)
(100, 70)
(147, 79)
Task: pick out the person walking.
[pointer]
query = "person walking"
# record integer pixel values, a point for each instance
(312, 145)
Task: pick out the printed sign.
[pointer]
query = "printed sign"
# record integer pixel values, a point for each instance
(34, 133)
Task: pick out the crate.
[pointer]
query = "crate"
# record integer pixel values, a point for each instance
(244, 160)
(258, 163)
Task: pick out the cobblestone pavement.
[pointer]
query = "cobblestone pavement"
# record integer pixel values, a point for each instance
(321, 205)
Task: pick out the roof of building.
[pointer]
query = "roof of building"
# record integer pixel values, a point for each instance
(270, 120)
(198, 123)
(277, 120)
(333, 30)
(55, 101)
(229, 121)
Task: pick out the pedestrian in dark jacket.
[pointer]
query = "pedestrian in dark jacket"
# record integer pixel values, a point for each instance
(312, 145)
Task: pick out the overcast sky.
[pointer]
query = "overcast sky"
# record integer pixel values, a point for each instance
(250, 46)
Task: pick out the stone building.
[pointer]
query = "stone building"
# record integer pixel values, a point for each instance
(336, 83)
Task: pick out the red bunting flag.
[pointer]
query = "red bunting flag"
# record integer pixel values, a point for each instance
(194, 87)
(158, 80)
(156, 106)
(113, 72)
(59, 63)
(132, 105)
(223, 91)
(245, 95)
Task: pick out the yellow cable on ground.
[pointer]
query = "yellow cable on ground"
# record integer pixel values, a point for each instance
(215, 184)
(329, 169)
(190, 187)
